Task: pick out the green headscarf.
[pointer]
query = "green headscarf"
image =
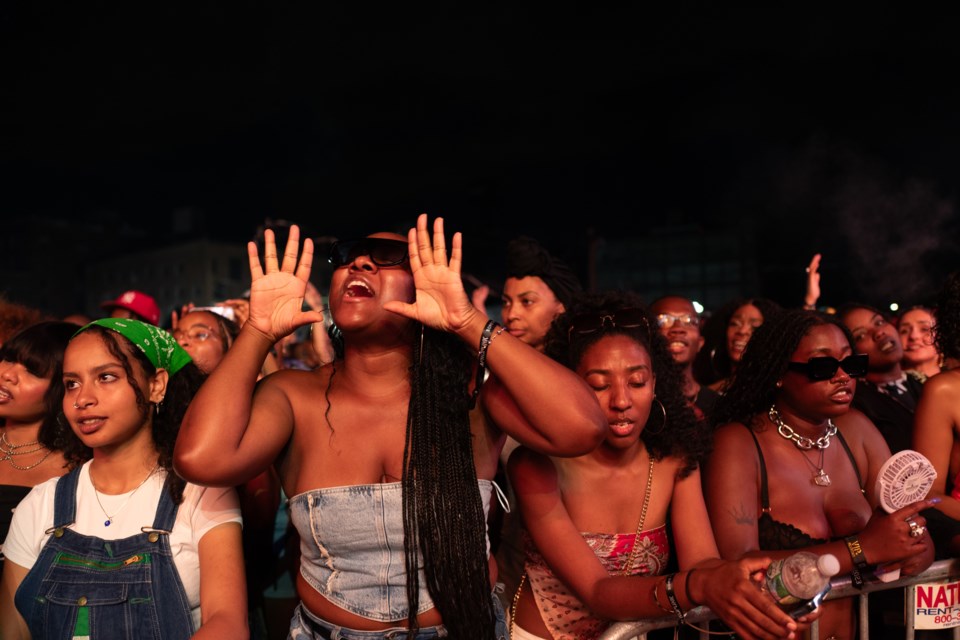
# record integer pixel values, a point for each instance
(159, 346)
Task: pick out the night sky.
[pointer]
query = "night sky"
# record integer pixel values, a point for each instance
(817, 130)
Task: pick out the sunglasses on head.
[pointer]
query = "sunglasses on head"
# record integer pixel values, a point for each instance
(825, 367)
(381, 251)
(624, 319)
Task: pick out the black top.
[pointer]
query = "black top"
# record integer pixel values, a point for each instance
(775, 535)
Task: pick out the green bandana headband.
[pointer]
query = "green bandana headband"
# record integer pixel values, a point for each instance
(159, 346)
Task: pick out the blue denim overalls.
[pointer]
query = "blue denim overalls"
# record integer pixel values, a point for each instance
(88, 587)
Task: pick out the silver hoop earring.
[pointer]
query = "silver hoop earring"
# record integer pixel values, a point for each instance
(663, 423)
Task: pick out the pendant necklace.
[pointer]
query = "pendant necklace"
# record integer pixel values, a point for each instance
(820, 478)
(110, 518)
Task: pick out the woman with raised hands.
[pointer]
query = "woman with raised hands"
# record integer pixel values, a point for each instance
(387, 453)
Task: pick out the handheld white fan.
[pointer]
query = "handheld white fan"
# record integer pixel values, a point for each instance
(903, 479)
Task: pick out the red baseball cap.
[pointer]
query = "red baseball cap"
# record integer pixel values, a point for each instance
(137, 302)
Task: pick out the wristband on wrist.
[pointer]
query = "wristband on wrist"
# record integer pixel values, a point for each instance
(859, 560)
(672, 597)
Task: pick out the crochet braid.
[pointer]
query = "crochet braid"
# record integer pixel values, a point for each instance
(443, 518)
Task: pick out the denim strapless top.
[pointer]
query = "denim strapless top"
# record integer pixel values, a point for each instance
(351, 545)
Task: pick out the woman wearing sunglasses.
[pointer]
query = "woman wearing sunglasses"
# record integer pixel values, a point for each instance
(387, 454)
(794, 467)
(604, 527)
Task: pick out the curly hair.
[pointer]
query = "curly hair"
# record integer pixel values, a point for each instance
(947, 334)
(754, 387)
(56, 433)
(443, 518)
(685, 436)
(713, 363)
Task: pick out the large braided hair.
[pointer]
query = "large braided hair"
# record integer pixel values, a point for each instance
(443, 519)
(754, 387)
(55, 433)
(947, 332)
(682, 435)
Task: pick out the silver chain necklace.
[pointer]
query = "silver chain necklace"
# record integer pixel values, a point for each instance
(802, 442)
(110, 518)
(820, 478)
(8, 450)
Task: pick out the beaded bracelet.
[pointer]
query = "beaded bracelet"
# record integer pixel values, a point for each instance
(672, 597)
(859, 560)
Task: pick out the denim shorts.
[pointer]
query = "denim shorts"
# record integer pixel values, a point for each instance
(306, 626)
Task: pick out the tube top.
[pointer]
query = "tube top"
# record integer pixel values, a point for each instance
(351, 546)
(562, 612)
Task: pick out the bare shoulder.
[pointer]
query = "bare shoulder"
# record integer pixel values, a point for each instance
(530, 469)
(945, 385)
(731, 434)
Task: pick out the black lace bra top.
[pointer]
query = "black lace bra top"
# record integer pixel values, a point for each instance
(775, 535)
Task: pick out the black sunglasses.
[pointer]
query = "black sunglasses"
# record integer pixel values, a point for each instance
(624, 318)
(381, 251)
(825, 367)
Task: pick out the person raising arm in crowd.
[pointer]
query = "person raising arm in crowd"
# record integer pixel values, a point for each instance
(388, 452)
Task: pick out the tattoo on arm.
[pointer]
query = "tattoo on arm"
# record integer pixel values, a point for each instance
(742, 515)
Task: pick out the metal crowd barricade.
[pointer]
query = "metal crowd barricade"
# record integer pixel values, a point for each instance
(841, 587)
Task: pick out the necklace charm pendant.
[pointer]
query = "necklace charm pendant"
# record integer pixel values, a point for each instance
(821, 479)
(106, 523)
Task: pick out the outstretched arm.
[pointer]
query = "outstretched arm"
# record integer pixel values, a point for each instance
(229, 433)
(538, 401)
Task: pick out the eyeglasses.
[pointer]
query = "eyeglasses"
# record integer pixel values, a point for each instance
(195, 334)
(665, 320)
(624, 318)
(825, 367)
(381, 251)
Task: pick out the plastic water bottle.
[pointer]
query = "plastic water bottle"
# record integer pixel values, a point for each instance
(798, 583)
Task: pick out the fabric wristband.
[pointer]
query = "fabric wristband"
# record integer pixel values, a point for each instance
(859, 560)
(672, 597)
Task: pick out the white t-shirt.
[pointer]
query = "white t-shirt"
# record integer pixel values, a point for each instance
(202, 509)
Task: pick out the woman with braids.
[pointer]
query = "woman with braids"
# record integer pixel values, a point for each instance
(598, 543)
(120, 546)
(936, 431)
(795, 467)
(386, 453)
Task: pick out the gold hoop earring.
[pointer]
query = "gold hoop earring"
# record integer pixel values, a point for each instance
(663, 423)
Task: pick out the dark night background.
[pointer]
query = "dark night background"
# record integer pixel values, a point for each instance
(816, 130)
